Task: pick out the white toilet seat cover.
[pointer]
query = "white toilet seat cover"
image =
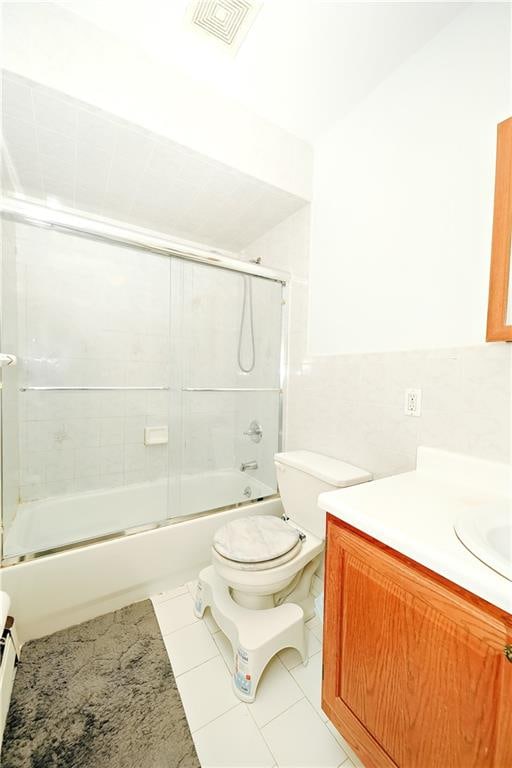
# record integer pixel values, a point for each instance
(255, 539)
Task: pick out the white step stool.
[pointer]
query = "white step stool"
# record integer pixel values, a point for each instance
(255, 635)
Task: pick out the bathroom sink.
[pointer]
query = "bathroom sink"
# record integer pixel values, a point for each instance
(487, 533)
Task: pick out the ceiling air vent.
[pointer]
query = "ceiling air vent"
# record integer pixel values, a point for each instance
(225, 21)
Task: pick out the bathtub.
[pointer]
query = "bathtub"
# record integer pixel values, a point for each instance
(62, 589)
(62, 520)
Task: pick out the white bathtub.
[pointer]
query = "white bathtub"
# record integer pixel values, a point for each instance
(56, 591)
(71, 518)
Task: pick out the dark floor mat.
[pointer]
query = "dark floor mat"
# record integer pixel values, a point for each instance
(98, 695)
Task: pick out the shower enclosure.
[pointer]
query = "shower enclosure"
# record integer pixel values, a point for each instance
(146, 386)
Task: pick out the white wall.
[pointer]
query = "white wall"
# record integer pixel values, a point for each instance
(351, 406)
(49, 45)
(403, 195)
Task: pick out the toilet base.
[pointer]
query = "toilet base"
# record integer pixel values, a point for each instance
(252, 602)
(299, 590)
(255, 635)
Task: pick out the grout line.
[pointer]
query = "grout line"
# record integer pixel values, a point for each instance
(281, 713)
(215, 718)
(171, 589)
(300, 664)
(179, 628)
(218, 716)
(248, 707)
(259, 728)
(196, 666)
(197, 730)
(333, 737)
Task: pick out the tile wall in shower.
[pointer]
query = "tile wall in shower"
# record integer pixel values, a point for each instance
(90, 314)
(216, 336)
(93, 314)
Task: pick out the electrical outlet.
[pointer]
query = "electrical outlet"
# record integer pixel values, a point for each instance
(412, 405)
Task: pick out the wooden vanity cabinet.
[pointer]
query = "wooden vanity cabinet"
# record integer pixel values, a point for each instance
(415, 673)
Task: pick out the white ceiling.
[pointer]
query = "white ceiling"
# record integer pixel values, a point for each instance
(304, 64)
(70, 154)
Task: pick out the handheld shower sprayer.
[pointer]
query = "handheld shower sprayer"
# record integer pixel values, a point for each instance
(247, 307)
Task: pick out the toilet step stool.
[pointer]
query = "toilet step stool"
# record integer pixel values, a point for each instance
(255, 635)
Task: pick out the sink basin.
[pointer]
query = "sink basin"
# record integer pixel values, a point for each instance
(487, 533)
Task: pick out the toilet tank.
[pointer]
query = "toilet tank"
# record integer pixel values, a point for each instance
(303, 475)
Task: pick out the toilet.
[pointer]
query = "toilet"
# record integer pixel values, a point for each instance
(259, 584)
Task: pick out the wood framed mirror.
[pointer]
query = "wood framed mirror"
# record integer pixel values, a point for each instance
(499, 315)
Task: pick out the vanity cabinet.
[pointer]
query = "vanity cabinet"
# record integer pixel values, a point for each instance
(415, 672)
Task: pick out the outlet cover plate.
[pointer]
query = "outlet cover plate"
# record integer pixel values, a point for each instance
(412, 402)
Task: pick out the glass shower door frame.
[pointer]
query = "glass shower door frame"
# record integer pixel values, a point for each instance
(93, 228)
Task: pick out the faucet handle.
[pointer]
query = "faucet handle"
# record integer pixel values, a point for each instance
(255, 431)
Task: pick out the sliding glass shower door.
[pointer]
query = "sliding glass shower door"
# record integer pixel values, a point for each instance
(231, 353)
(146, 388)
(87, 408)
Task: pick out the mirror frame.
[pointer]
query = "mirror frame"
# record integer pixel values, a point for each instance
(497, 329)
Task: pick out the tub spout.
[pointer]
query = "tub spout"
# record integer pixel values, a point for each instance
(245, 465)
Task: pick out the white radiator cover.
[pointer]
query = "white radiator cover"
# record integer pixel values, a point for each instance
(8, 666)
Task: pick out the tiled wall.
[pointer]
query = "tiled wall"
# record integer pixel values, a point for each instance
(352, 406)
(89, 314)
(97, 163)
(103, 317)
(93, 314)
(165, 100)
(213, 432)
(214, 422)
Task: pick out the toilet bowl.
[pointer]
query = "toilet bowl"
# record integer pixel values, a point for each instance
(266, 561)
(263, 558)
(258, 587)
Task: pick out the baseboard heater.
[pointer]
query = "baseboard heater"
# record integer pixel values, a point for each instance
(9, 656)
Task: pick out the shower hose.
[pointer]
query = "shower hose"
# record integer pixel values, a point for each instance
(247, 307)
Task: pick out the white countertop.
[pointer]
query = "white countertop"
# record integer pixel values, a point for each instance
(414, 513)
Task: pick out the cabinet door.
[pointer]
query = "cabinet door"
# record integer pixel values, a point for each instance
(414, 673)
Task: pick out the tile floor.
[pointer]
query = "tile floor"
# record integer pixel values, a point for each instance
(284, 727)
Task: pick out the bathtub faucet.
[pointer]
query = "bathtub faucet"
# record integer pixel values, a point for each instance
(245, 465)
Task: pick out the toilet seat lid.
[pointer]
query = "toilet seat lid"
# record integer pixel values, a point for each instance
(255, 539)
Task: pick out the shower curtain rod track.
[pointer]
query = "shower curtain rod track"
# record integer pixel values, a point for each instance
(149, 389)
(85, 225)
(231, 389)
(89, 389)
